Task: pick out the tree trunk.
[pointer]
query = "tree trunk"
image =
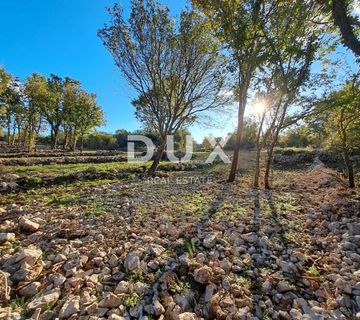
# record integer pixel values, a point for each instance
(8, 125)
(54, 138)
(81, 143)
(158, 155)
(73, 146)
(257, 168)
(258, 151)
(268, 167)
(19, 135)
(31, 139)
(13, 135)
(349, 169)
(241, 111)
(273, 144)
(66, 140)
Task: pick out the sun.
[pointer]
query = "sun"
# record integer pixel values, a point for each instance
(259, 107)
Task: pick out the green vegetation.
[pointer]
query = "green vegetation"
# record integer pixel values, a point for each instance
(61, 102)
(131, 300)
(33, 183)
(190, 247)
(65, 169)
(313, 271)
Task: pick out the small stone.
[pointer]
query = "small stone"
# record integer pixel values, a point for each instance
(36, 314)
(140, 288)
(101, 312)
(28, 225)
(158, 307)
(187, 316)
(4, 289)
(91, 309)
(27, 274)
(12, 185)
(12, 177)
(304, 305)
(110, 301)
(295, 314)
(45, 301)
(29, 256)
(3, 185)
(225, 265)
(203, 275)
(242, 313)
(116, 317)
(209, 240)
(4, 237)
(267, 286)
(60, 258)
(71, 306)
(226, 302)
(58, 279)
(122, 287)
(30, 290)
(283, 286)
(343, 285)
(136, 311)
(269, 230)
(250, 237)
(283, 315)
(209, 293)
(132, 262)
(157, 250)
(113, 261)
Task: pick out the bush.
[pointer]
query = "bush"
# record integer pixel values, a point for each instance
(33, 183)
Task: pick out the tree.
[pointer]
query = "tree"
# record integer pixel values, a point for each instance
(173, 66)
(71, 89)
(36, 96)
(10, 104)
(180, 139)
(100, 141)
(206, 145)
(53, 110)
(81, 113)
(293, 40)
(299, 137)
(248, 136)
(90, 115)
(238, 25)
(121, 138)
(5, 79)
(341, 110)
(347, 23)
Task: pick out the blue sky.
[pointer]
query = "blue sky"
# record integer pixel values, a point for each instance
(60, 36)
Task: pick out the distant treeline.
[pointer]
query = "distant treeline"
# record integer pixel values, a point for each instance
(54, 104)
(298, 137)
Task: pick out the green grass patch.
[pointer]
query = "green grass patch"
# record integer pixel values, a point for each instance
(33, 183)
(66, 169)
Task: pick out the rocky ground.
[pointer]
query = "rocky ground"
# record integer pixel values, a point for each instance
(187, 245)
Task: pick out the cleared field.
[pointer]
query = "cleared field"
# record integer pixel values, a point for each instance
(184, 235)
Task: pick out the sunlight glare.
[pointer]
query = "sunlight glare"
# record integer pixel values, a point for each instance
(259, 107)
